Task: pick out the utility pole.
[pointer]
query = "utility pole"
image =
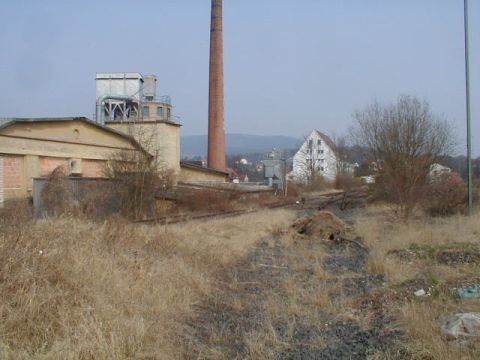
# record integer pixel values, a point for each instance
(467, 84)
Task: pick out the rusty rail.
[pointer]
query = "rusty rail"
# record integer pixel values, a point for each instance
(332, 198)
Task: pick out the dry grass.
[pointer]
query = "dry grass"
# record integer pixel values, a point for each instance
(383, 234)
(422, 322)
(71, 289)
(424, 237)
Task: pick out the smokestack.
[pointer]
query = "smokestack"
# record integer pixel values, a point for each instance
(216, 129)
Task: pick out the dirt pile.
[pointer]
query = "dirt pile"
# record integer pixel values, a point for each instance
(323, 225)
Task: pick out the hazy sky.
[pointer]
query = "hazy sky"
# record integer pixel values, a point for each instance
(290, 65)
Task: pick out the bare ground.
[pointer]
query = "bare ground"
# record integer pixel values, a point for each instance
(294, 297)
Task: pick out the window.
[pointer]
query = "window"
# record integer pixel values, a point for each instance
(160, 111)
(319, 142)
(322, 160)
(321, 151)
(168, 113)
(310, 143)
(322, 168)
(146, 111)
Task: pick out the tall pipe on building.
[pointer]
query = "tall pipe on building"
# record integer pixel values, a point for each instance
(216, 128)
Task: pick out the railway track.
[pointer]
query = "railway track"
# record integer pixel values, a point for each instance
(319, 202)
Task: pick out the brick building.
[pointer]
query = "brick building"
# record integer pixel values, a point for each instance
(31, 148)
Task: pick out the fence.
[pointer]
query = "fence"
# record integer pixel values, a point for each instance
(92, 195)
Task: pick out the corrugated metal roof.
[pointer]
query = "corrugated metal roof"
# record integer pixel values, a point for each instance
(119, 75)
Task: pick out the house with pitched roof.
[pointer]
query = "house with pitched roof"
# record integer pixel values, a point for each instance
(315, 157)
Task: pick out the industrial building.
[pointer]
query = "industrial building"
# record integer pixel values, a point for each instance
(129, 117)
(31, 148)
(274, 169)
(128, 103)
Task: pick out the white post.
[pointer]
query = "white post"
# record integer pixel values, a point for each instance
(1, 183)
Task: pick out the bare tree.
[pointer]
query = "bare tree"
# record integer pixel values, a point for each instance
(139, 176)
(405, 139)
(341, 154)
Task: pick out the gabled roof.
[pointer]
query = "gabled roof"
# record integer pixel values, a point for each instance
(10, 121)
(327, 139)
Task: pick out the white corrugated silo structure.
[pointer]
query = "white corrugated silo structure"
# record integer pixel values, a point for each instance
(118, 96)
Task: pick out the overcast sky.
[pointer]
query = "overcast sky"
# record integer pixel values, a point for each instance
(290, 65)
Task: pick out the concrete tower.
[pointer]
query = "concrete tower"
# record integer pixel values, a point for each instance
(216, 129)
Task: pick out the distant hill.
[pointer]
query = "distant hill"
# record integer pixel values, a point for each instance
(238, 144)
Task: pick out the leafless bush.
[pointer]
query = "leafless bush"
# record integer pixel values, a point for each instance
(346, 182)
(138, 178)
(56, 195)
(294, 189)
(211, 200)
(405, 139)
(319, 183)
(16, 212)
(445, 196)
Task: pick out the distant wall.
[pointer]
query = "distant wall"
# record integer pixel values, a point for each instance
(93, 168)
(160, 139)
(12, 172)
(189, 175)
(48, 164)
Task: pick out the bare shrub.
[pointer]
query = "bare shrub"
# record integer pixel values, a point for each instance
(346, 182)
(405, 139)
(318, 183)
(139, 178)
(16, 212)
(294, 189)
(211, 200)
(446, 196)
(56, 195)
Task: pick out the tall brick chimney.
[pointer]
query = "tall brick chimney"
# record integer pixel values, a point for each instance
(216, 128)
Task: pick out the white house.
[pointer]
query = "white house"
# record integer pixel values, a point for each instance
(316, 156)
(438, 170)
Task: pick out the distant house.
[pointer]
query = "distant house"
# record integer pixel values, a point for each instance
(438, 170)
(316, 156)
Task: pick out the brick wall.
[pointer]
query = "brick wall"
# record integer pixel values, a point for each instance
(93, 168)
(12, 172)
(48, 164)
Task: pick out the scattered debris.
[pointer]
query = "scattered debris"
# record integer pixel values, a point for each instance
(449, 254)
(469, 292)
(462, 325)
(420, 292)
